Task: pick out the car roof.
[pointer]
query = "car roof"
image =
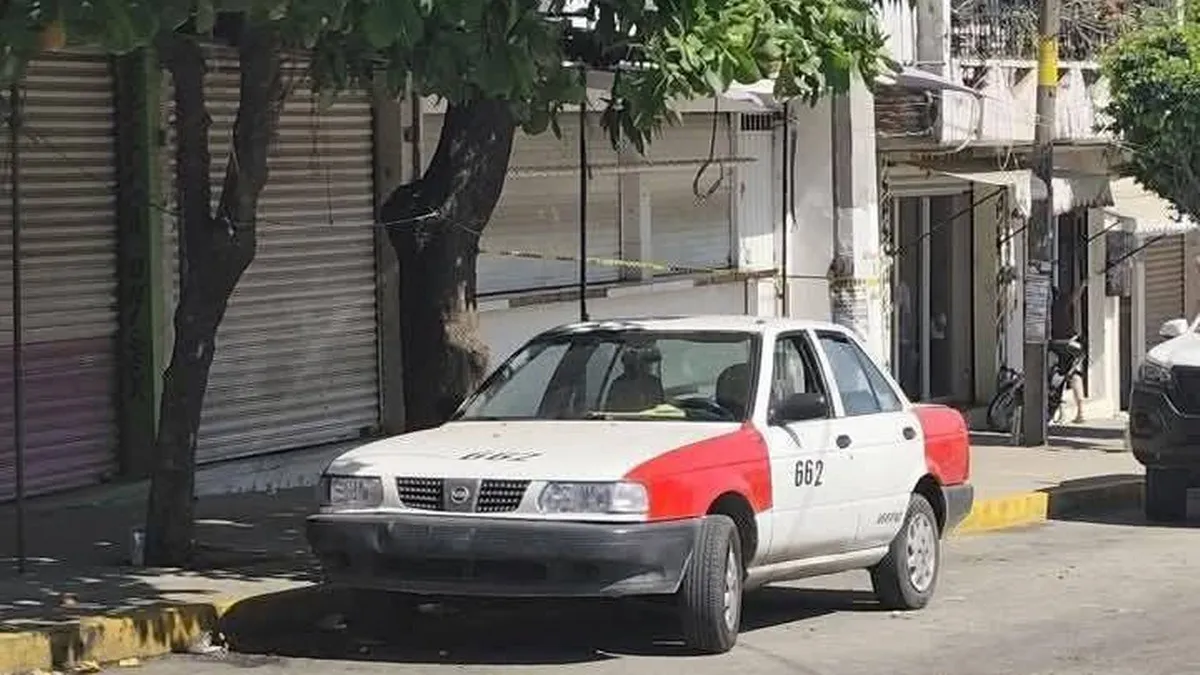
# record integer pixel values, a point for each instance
(705, 322)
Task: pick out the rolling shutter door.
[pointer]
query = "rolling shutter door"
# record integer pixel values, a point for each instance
(1164, 285)
(296, 360)
(538, 211)
(687, 231)
(69, 239)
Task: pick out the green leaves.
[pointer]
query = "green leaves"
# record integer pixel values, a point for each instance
(1154, 80)
(511, 50)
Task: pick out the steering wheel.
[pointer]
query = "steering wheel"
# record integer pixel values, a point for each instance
(709, 409)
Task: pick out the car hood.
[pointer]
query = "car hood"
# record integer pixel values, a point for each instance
(1178, 351)
(535, 449)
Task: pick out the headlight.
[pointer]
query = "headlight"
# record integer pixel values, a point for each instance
(351, 491)
(1154, 373)
(613, 498)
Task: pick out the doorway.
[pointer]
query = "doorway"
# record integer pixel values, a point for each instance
(933, 286)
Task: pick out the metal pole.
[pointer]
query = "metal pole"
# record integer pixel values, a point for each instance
(1039, 239)
(583, 200)
(18, 328)
(785, 202)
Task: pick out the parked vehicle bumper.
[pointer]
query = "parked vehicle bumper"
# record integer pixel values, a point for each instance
(472, 556)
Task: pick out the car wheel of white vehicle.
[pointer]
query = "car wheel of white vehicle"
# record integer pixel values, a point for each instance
(907, 576)
(1165, 497)
(710, 595)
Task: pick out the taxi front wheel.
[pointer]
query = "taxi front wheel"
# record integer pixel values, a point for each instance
(710, 595)
(907, 575)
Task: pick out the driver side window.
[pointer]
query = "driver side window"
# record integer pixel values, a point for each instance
(796, 370)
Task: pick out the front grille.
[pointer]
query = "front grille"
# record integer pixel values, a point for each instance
(491, 495)
(500, 496)
(420, 493)
(1185, 391)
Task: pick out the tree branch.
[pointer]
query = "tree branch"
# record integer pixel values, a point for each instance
(261, 99)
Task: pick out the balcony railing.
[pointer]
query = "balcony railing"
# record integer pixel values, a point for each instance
(1007, 29)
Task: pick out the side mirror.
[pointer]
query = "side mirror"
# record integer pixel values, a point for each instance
(801, 408)
(1173, 328)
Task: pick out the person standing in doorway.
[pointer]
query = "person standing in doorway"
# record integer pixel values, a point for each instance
(1065, 325)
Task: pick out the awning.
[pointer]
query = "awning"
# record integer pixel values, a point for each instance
(1144, 213)
(1071, 190)
(762, 93)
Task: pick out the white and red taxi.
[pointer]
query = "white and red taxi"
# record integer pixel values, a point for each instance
(686, 457)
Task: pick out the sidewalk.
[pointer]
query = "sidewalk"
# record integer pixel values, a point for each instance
(80, 599)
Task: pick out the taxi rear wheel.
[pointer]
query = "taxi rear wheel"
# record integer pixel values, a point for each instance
(710, 595)
(907, 576)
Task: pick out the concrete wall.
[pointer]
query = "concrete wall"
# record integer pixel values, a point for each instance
(505, 330)
(1104, 327)
(811, 228)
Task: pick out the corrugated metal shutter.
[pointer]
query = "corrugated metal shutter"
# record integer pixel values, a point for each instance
(538, 211)
(68, 169)
(297, 354)
(685, 230)
(1164, 285)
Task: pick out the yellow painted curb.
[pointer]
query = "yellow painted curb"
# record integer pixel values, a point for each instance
(153, 631)
(1000, 513)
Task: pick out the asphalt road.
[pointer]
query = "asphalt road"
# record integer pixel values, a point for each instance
(1065, 598)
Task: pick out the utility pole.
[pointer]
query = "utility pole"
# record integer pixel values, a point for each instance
(1039, 237)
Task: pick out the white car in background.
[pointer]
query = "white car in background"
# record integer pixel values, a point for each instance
(690, 458)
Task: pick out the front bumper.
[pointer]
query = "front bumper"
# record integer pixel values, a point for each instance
(958, 499)
(472, 556)
(1159, 433)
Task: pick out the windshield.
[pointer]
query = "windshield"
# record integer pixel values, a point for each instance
(593, 374)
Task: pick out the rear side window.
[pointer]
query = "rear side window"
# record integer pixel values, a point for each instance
(861, 386)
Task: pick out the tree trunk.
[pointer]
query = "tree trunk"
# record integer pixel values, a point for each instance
(217, 249)
(434, 225)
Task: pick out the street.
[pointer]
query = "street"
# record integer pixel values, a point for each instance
(1066, 598)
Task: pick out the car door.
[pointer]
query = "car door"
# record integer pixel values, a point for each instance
(877, 424)
(811, 477)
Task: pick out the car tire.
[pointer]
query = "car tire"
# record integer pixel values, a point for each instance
(710, 594)
(1165, 494)
(907, 576)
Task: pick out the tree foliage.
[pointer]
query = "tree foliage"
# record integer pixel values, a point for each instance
(498, 64)
(1154, 79)
(520, 51)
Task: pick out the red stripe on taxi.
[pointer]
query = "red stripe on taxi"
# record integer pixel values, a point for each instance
(684, 482)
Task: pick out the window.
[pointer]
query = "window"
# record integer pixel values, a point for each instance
(626, 374)
(796, 370)
(862, 388)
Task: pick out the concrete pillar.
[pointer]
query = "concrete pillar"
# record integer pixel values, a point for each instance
(143, 283)
(856, 288)
(393, 131)
(754, 214)
(636, 235)
(989, 211)
(1103, 326)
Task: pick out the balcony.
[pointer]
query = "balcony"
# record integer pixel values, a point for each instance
(1007, 30)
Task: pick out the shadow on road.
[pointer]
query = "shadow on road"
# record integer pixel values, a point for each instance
(301, 624)
(1132, 517)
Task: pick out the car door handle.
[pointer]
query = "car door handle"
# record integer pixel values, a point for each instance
(843, 441)
(909, 433)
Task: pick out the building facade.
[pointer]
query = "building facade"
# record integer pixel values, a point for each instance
(307, 354)
(957, 191)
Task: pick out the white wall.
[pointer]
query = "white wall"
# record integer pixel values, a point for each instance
(810, 234)
(505, 330)
(1104, 327)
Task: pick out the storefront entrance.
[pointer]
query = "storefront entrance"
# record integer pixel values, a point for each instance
(932, 291)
